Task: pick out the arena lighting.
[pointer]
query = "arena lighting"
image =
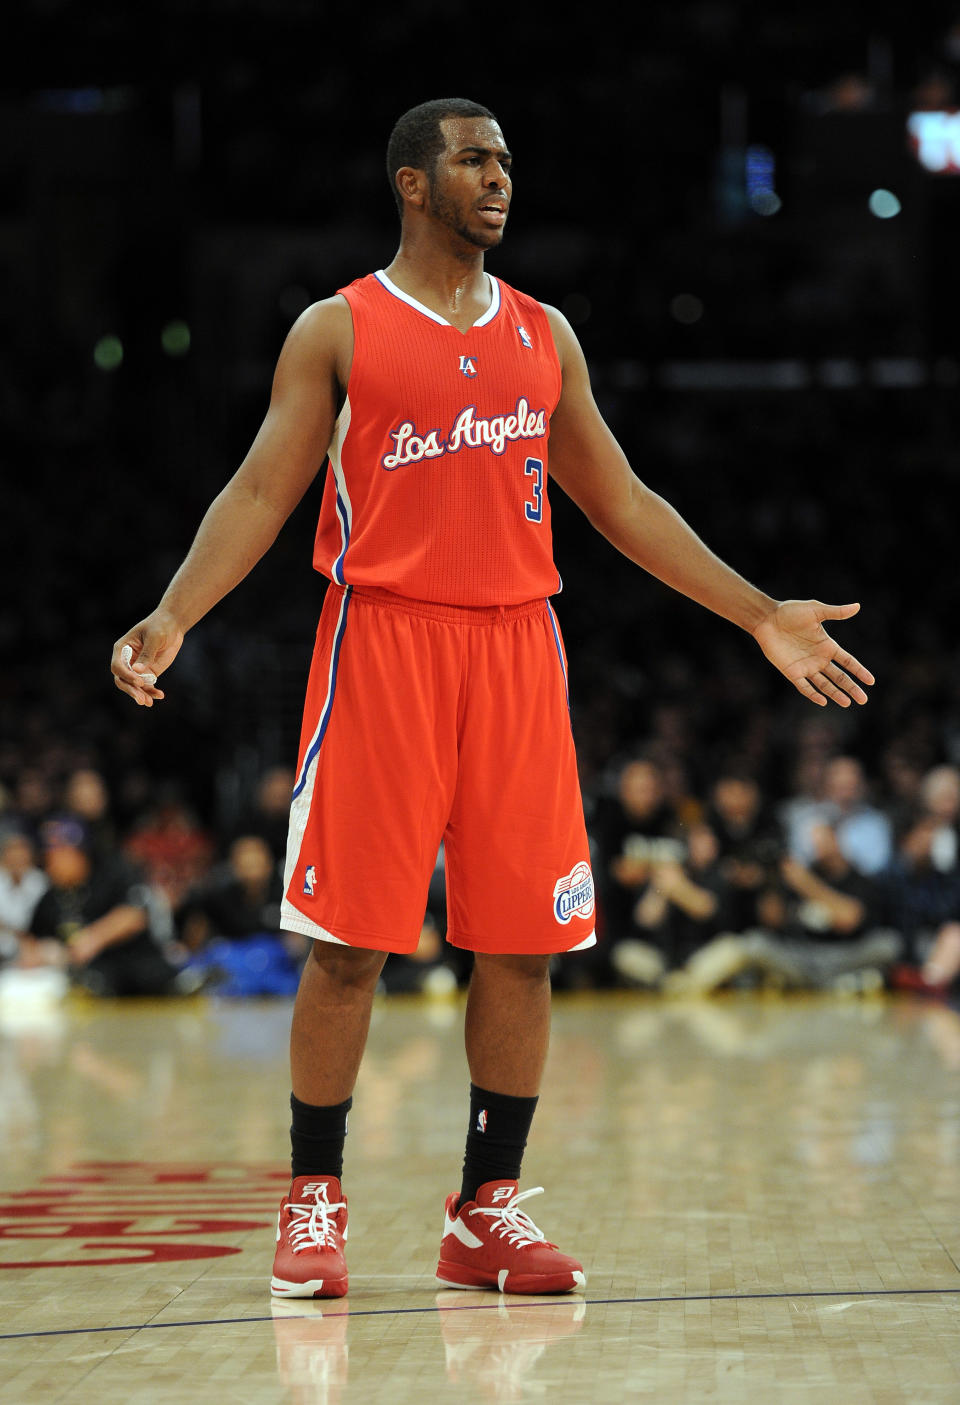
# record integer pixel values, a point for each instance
(884, 204)
(935, 139)
(108, 353)
(759, 171)
(175, 338)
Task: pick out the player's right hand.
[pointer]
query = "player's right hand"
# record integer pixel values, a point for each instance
(142, 654)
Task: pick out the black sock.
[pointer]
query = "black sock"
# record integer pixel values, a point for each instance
(496, 1137)
(316, 1138)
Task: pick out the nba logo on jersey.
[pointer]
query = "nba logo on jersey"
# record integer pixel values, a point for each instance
(309, 881)
(468, 366)
(525, 337)
(482, 1120)
(573, 895)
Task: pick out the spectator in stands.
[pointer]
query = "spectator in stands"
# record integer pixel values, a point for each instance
(229, 924)
(269, 814)
(922, 896)
(863, 831)
(924, 887)
(239, 899)
(749, 842)
(632, 828)
(22, 885)
(940, 799)
(814, 745)
(941, 966)
(901, 777)
(33, 800)
(171, 847)
(94, 918)
(819, 930)
(684, 906)
(85, 796)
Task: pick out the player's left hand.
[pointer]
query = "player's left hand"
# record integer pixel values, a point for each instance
(794, 640)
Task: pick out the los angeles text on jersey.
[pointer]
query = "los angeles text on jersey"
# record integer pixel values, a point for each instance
(470, 431)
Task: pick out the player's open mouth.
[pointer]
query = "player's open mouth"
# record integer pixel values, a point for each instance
(495, 213)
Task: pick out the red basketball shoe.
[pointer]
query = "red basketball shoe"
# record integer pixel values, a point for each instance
(311, 1233)
(492, 1243)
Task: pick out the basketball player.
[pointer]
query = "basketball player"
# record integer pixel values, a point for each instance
(437, 702)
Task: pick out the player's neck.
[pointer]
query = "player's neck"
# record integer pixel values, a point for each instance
(450, 282)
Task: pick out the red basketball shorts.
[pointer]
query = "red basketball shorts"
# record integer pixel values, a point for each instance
(426, 724)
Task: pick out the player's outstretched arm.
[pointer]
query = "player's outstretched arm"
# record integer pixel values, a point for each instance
(794, 640)
(243, 520)
(590, 466)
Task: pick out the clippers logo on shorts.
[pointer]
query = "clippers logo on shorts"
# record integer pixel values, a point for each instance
(573, 896)
(468, 366)
(482, 1120)
(309, 881)
(468, 431)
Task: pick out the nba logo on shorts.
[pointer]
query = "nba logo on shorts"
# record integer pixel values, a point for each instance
(482, 1120)
(468, 366)
(573, 895)
(309, 881)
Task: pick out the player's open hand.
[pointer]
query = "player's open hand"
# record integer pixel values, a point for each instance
(141, 655)
(794, 640)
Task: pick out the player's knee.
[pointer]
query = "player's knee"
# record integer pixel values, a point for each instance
(347, 966)
(513, 967)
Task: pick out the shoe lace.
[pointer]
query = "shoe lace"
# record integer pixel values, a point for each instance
(314, 1226)
(511, 1223)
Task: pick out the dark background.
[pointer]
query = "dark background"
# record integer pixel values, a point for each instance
(778, 361)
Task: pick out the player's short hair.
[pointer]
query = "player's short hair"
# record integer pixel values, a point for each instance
(416, 139)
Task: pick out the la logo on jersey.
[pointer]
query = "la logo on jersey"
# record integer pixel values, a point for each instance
(309, 881)
(468, 366)
(573, 895)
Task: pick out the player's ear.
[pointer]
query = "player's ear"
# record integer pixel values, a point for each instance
(412, 185)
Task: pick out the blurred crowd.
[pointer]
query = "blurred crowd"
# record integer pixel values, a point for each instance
(738, 836)
(847, 881)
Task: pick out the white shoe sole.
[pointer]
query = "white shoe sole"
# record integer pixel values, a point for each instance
(279, 1288)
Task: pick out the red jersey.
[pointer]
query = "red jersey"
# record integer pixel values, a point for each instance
(437, 485)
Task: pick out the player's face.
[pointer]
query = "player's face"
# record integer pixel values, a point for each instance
(470, 186)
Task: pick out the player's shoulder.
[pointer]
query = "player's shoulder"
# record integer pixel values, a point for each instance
(555, 317)
(323, 330)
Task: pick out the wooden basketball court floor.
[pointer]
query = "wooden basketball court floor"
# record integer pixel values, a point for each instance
(764, 1193)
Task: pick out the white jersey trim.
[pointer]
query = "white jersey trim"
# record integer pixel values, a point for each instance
(344, 507)
(306, 780)
(488, 316)
(293, 921)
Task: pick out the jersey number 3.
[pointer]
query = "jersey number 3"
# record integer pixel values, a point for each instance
(533, 511)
